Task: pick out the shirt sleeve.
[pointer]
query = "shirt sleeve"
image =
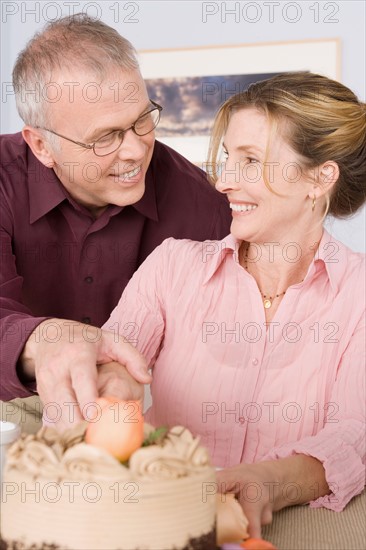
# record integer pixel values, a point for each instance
(16, 321)
(340, 444)
(140, 314)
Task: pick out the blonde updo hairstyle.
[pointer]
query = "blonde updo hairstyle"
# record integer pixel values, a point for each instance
(321, 119)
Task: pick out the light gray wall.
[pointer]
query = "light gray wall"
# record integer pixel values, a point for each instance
(169, 24)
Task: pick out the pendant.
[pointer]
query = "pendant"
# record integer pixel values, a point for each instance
(267, 303)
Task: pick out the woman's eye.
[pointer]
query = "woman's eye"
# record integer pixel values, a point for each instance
(225, 153)
(248, 160)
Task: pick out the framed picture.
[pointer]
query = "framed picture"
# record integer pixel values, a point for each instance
(192, 83)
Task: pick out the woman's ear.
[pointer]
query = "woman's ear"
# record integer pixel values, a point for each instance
(39, 146)
(327, 175)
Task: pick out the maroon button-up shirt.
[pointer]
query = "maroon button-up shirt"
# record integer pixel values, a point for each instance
(58, 261)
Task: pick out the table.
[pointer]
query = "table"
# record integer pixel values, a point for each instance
(305, 528)
(294, 528)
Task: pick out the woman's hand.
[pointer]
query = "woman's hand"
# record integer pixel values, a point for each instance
(255, 486)
(115, 380)
(269, 486)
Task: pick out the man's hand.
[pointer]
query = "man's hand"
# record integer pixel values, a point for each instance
(63, 356)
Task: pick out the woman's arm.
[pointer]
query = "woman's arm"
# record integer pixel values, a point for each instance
(269, 486)
(139, 316)
(327, 469)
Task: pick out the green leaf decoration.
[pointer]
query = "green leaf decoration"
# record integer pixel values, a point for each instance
(156, 437)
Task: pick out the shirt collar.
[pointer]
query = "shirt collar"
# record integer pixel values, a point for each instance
(45, 189)
(331, 255)
(46, 192)
(215, 252)
(147, 204)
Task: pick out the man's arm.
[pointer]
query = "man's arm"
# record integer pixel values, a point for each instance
(56, 357)
(16, 320)
(64, 365)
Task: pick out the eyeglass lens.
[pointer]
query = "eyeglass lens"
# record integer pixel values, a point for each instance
(143, 125)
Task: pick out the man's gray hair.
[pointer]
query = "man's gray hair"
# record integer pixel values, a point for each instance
(76, 41)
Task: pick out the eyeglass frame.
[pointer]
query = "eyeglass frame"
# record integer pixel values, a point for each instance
(132, 127)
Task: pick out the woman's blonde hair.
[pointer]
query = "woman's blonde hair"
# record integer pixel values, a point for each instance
(321, 120)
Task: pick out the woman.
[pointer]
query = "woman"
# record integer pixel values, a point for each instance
(257, 341)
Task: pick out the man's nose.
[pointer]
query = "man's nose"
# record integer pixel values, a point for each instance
(132, 148)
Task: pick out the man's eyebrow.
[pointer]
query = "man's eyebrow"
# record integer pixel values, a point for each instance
(100, 132)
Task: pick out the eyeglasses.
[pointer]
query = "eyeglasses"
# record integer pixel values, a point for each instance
(109, 143)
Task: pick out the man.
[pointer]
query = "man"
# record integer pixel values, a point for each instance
(86, 196)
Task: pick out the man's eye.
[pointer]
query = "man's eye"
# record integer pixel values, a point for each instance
(105, 140)
(143, 120)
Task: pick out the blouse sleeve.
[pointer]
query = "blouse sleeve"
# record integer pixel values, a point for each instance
(340, 445)
(140, 314)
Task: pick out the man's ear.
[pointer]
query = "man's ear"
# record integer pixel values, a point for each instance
(39, 146)
(327, 175)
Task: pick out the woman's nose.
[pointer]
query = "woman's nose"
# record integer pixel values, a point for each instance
(229, 178)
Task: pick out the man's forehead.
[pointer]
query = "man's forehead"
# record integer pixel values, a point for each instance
(88, 105)
(88, 86)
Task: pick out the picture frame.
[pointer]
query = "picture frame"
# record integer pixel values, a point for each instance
(191, 83)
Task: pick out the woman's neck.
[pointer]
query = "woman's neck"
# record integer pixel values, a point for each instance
(278, 265)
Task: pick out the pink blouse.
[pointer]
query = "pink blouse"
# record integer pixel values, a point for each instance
(252, 390)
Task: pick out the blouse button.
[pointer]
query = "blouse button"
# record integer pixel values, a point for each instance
(255, 362)
(88, 280)
(86, 320)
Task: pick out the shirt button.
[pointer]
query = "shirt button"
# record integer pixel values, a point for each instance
(88, 280)
(241, 419)
(255, 362)
(86, 320)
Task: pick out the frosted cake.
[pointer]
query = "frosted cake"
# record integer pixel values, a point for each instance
(60, 492)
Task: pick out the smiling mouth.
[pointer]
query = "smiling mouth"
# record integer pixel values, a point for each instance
(128, 175)
(242, 207)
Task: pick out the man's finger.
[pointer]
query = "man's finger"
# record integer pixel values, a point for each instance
(63, 410)
(84, 376)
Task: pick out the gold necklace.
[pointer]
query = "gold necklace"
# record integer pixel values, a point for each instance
(267, 300)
